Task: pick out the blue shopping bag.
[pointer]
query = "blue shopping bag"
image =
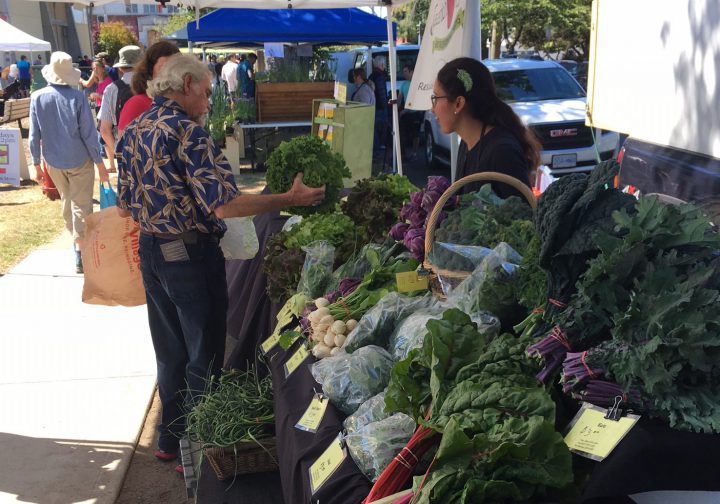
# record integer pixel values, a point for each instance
(107, 196)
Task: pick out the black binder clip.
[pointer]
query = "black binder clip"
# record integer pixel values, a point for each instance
(615, 412)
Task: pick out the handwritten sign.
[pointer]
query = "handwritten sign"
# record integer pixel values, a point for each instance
(310, 421)
(410, 281)
(593, 436)
(297, 358)
(327, 464)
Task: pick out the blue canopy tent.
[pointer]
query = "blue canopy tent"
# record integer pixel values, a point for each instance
(316, 26)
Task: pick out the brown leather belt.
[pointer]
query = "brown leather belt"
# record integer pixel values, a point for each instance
(188, 237)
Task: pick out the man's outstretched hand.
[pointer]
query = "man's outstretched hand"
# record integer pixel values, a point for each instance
(302, 195)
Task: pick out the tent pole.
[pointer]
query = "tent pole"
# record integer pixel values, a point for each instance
(397, 157)
(89, 23)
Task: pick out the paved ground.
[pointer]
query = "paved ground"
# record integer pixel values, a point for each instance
(76, 381)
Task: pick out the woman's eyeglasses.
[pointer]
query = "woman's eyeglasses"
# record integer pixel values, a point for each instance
(434, 99)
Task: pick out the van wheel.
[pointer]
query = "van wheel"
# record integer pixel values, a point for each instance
(430, 148)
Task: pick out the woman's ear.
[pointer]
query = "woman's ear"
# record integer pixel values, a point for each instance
(459, 105)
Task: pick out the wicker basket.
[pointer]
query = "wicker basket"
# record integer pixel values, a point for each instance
(455, 277)
(246, 457)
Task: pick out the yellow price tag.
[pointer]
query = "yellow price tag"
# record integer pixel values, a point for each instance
(310, 421)
(297, 358)
(269, 343)
(327, 464)
(410, 281)
(594, 436)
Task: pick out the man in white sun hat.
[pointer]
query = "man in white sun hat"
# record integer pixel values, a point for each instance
(62, 131)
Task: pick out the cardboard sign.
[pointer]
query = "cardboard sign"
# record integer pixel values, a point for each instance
(340, 93)
(594, 436)
(327, 463)
(310, 421)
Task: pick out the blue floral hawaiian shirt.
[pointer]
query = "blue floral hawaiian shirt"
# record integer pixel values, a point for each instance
(171, 175)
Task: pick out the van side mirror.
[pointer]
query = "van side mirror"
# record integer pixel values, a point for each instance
(351, 80)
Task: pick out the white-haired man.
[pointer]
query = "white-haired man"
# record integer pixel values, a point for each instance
(177, 185)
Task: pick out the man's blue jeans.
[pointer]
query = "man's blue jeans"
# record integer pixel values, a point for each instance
(187, 304)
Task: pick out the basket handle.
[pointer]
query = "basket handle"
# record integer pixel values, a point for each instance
(475, 177)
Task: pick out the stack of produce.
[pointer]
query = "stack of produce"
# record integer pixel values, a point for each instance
(284, 256)
(413, 216)
(319, 165)
(498, 440)
(643, 324)
(328, 334)
(374, 205)
(237, 407)
(328, 324)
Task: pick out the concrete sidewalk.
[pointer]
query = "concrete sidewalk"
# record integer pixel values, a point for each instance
(75, 383)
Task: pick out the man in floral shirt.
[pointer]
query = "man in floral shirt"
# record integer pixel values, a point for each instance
(177, 185)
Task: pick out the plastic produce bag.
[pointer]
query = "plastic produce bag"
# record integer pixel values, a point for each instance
(317, 269)
(374, 445)
(240, 240)
(410, 333)
(349, 380)
(467, 258)
(292, 221)
(473, 296)
(370, 411)
(378, 324)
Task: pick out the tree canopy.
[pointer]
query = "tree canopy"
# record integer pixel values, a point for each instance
(557, 27)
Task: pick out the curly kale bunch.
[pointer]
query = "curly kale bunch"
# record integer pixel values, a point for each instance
(319, 165)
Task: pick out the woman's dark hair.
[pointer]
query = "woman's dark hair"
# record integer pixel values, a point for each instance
(360, 72)
(484, 104)
(144, 69)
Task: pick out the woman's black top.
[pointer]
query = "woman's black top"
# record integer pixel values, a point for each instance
(497, 151)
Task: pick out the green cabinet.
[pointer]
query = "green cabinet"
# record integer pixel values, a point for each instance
(348, 128)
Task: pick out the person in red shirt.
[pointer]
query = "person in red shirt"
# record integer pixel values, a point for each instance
(149, 66)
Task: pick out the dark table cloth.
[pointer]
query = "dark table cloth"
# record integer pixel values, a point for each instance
(251, 314)
(298, 449)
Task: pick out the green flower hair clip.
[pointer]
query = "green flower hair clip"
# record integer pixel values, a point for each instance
(465, 78)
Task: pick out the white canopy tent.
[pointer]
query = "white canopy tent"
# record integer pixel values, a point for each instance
(14, 39)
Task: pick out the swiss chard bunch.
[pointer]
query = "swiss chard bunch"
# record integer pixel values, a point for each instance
(374, 205)
(319, 165)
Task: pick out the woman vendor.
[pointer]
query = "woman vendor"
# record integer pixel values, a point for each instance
(494, 138)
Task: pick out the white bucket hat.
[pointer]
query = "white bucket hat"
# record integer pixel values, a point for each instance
(60, 70)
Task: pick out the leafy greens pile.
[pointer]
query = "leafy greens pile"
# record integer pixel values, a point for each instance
(644, 323)
(284, 256)
(374, 205)
(498, 437)
(319, 165)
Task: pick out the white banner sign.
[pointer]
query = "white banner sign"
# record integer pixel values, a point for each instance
(452, 30)
(10, 151)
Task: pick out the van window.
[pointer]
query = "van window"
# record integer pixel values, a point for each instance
(403, 58)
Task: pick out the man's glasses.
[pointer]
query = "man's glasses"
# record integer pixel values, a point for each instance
(434, 99)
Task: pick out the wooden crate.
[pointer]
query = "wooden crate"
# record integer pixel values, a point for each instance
(289, 101)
